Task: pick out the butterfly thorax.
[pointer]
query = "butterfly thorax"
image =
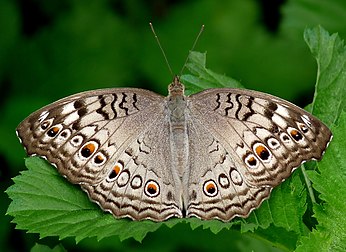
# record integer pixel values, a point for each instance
(176, 108)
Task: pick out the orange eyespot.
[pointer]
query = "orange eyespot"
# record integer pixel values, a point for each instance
(88, 150)
(296, 135)
(262, 152)
(53, 131)
(99, 159)
(252, 161)
(115, 171)
(259, 149)
(294, 132)
(210, 188)
(152, 189)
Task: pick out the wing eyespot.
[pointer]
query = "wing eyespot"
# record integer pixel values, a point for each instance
(224, 181)
(236, 177)
(99, 159)
(116, 169)
(88, 149)
(295, 134)
(54, 130)
(136, 182)
(273, 143)
(123, 178)
(152, 189)
(251, 161)
(262, 152)
(77, 140)
(210, 188)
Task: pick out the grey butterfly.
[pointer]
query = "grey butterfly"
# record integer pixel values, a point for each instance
(216, 154)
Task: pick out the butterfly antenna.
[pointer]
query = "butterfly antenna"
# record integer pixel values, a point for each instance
(193, 47)
(163, 52)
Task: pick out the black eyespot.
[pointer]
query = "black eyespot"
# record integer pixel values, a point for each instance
(53, 131)
(193, 195)
(152, 189)
(285, 138)
(45, 125)
(261, 151)
(210, 188)
(273, 143)
(82, 112)
(169, 196)
(99, 159)
(252, 161)
(296, 135)
(64, 134)
(88, 149)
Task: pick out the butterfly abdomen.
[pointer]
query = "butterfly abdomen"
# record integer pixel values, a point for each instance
(176, 115)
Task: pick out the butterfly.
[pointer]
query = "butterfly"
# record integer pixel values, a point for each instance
(216, 154)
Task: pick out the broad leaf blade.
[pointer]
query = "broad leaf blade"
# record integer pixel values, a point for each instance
(202, 77)
(330, 92)
(330, 179)
(285, 208)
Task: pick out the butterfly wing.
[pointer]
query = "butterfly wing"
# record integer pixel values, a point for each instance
(250, 143)
(112, 142)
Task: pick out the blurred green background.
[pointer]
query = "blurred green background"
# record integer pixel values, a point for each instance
(51, 49)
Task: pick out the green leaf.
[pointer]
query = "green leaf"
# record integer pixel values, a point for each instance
(202, 77)
(330, 181)
(285, 208)
(330, 92)
(44, 248)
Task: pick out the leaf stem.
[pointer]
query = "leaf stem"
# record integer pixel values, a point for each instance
(308, 184)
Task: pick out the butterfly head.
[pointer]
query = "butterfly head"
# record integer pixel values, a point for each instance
(176, 88)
